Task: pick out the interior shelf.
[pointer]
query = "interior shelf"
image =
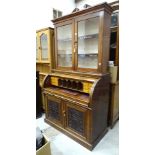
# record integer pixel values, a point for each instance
(64, 54)
(82, 54)
(87, 53)
(89, 36)
(65, 40)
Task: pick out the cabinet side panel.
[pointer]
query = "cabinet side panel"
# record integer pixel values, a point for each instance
(51, 47)
(114, 104)
(100, 102)
(106, 41)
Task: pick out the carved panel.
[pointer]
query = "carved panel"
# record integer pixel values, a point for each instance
(54, 110)
(76, 120)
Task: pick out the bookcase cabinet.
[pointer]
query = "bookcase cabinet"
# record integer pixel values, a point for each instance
(76, 92)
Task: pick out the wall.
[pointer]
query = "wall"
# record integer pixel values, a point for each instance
(44, 11)
(91, 2)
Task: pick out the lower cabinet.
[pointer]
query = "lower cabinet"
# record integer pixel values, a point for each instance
(64, 113)
(79, 115)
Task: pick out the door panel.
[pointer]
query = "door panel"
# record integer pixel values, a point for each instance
(88, 29)
(64, 44)
(76, 118)
(54, 110)
(44, 46)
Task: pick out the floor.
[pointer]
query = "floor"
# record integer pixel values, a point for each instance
(63, 145)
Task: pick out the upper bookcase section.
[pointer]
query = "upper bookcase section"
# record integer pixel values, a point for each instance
(82, 40)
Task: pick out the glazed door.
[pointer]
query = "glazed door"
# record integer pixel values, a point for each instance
(64, 45)
(87, 38)
(44, 46)
(54, 109)
(76, 120)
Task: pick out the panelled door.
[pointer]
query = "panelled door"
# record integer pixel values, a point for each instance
(88, 36)
(43, 48)
(64, 45)
(76, 118)
(54, 109)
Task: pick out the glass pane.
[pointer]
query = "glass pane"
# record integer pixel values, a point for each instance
(64, 42)
(44, 47)
(88, 43)
(36, 49)
(114, 19)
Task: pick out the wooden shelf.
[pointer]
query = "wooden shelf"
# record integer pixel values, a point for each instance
(66, 54)
(65, 40)
(87, 53)
(113, 28)
(81, 54)
(90, 36)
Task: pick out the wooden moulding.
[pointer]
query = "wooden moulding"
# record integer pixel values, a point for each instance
(114, 5)
(44, 29)
(82, 74)
(74, 77)
(102, 6)
(68, 98)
